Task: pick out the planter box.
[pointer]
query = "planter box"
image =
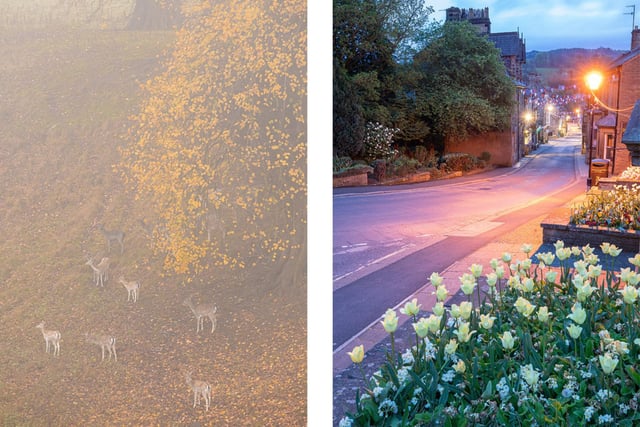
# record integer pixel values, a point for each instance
(610, 183)
(573, 235)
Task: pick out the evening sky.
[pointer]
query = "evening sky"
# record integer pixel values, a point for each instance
(548, 25)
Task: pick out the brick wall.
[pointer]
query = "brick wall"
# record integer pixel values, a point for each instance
(499, 144)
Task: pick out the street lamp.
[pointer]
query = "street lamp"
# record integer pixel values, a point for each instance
(593, 81)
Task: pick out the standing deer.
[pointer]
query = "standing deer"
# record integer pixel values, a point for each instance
(200, 311)
(100, 271)
(110, 236)
(50, 338)
(132, 289)
(200, 389)
(104, 341)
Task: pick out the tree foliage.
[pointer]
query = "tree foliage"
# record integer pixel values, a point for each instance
(467, 88)
(219, 145)
(435, 83)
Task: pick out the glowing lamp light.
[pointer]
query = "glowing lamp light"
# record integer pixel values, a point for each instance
(528, 117)
(593, 80)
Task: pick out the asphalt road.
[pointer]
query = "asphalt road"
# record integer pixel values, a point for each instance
(387, 242)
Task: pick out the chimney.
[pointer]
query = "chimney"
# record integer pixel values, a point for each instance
(635, 38)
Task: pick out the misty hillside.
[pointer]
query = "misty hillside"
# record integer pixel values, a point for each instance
(91, 14)
(66, 98)
(565, 66)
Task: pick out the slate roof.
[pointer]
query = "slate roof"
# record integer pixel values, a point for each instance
(510, 44)
(608, 121)
(624, 58)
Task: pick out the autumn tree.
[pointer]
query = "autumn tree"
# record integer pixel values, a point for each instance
(219, 144)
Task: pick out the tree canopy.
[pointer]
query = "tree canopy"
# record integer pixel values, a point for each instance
(219, 146)
(467, 89)
(432, 82)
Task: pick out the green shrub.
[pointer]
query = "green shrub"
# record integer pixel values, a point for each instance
(341, 163)
(402, 165)
(427, 157)
(485, 156)
(458, 162)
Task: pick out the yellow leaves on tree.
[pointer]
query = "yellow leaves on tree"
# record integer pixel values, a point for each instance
(219, 145)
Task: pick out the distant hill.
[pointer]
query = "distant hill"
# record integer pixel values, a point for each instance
(565, 66)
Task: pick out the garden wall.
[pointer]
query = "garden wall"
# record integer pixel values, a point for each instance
(498, 144)
(350, 180)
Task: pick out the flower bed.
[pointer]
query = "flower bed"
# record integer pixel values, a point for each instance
(542, 346)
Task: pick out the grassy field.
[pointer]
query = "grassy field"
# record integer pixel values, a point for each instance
(65, 99)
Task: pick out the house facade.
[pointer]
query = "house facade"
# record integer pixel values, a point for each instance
(615, 100)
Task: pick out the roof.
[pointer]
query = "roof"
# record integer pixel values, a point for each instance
(608, 121)
(510, 44)
(625, 57)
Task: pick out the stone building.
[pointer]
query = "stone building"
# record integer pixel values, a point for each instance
(511, 45)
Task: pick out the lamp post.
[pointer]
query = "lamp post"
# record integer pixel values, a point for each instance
(593, 80)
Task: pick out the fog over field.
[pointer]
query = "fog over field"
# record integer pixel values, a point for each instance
(151, 213)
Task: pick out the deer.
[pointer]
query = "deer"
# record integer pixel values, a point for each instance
(100, 271)
(51, 339)
(110, 235)
(104, 341)
(200, 389)
(200, 311)
(132, 289)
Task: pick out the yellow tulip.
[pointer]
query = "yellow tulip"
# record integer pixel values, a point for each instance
(574, 331)
(411, 308)
(543, 314)
(357, 355)
(486, 321)
(451, 347)
(578, 314)
(608, 363)
(466, 308)
(390, 321)
(508, 341)
(460, 367)
(442, 293)
(438, 308)
(629, 294)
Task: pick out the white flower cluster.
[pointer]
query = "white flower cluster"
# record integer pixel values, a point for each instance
(632, 173)
(378, 141)
(503, 388)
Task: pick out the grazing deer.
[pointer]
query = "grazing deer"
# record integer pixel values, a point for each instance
(50, 338)
(110, 235)
(104, 341)
(100, 271)
(200, 311)
(132, 289)
(200, 389)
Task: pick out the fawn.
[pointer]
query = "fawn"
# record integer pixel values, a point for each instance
(51, 338)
